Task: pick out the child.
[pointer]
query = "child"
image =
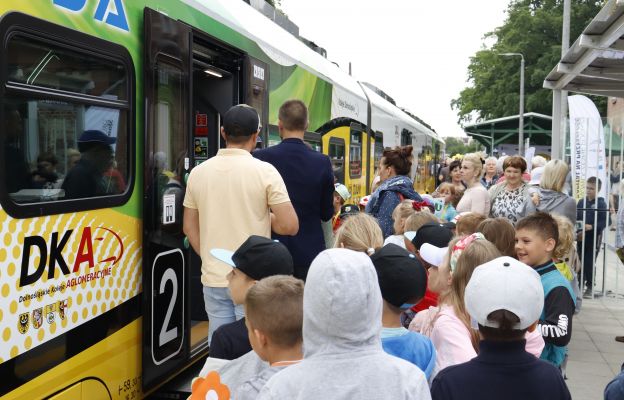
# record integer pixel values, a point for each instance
(467, 223)
(343, 357)
(449, 325)
(505, 297)
(566, 258)
(451, 198)
(257, 258)
(360, 232)
(400, 214)
(403, 281)
(438, 235)
(341, 195)
(536, 238)
(413, 224)
(501, 233)
(274, 315)
(593, 231)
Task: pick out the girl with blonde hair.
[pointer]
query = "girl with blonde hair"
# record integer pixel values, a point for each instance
(401, 213)
(476, 198)
(360, 232)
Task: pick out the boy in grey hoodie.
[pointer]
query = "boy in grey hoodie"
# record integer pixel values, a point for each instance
(343, 357)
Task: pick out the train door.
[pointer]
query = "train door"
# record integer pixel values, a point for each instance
(166, 344)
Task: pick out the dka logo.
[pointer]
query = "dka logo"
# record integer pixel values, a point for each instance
(115, 15)
(54, 257)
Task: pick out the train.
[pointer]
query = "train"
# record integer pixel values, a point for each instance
(98, 282)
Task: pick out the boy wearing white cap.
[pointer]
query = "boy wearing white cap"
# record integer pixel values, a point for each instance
(505, 297)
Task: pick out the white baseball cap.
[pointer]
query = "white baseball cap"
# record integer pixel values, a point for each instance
(433, 255)
(342, 191)
(505, 284)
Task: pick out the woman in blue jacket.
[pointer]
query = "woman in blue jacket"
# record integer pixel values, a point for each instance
(396, 186)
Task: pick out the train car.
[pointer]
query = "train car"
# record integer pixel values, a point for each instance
(106, 106)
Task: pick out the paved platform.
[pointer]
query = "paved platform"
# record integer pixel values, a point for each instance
(594, 355)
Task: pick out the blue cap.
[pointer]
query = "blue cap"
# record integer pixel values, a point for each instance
(93, 135)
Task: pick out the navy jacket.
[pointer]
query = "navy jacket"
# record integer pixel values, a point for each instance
(589, 217)
(230, 341)
(309, 178)
(501, 370)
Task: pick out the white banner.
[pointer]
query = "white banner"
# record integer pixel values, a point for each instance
(587, 145)
(346, 104)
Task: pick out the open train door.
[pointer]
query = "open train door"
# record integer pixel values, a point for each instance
(166, 162)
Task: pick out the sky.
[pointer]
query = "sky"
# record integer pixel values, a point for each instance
(416, 51)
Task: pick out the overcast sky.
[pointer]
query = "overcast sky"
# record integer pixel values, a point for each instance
(417, 51)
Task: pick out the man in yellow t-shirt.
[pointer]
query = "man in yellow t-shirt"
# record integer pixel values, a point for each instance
(228, 198)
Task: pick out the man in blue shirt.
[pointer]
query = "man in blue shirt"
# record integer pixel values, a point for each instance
(309, 180)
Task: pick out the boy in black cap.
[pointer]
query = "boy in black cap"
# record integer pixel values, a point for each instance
(403, 280)
(257, 258)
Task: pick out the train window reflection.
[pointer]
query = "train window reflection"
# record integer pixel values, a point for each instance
(36, 63)
(337, 157)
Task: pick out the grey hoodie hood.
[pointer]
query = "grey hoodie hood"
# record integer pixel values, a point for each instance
(343, 357)
(341, 304)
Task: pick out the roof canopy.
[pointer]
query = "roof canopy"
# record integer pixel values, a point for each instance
(537, 127)
(594, 64)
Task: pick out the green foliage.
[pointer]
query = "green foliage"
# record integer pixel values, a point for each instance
(533, 28)
(456, 146)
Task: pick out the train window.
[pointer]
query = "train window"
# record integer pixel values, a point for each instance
(337, 156)
(355, 154)
(36, 63)
(406, 137)
(67, 113)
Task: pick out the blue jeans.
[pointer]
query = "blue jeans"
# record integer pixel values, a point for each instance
(220, 308)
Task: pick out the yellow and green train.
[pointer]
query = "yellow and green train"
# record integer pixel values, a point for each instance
(100, 294)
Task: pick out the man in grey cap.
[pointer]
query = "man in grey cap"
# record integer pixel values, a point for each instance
(229, 198)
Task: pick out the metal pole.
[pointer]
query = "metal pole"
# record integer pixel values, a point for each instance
(565, 45)
(556, 151)
(521, 114)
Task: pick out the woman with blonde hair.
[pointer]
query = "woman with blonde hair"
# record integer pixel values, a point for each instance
(550, 196)
(360, 232)
(475, 198)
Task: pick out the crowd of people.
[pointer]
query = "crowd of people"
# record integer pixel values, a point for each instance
(468, 293)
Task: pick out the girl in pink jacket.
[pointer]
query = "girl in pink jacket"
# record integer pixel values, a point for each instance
(449, 325)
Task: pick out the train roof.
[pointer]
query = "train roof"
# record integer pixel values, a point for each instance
(246, 20)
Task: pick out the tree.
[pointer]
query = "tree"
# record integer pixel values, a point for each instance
(533, 28)
(456, 146)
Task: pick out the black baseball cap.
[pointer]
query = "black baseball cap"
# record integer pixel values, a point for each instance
(433, 233)
(241, 120)
(349, 209)
(402, 278)
(258, 257)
